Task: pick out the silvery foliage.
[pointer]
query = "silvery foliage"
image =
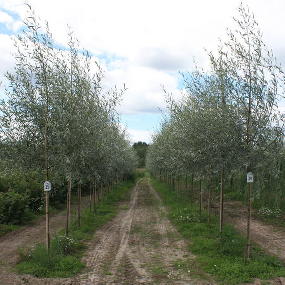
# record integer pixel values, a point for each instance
(229, 118)
(57, 94)
(258, 85)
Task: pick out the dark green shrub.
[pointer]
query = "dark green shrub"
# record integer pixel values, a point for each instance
(13, 207)
(4, 184)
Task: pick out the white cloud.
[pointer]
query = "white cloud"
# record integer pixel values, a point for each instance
(144, 87)
(5, 18)
(6, 49)
(139, 135)
(6, 59)
(9, 22)
(146, 40)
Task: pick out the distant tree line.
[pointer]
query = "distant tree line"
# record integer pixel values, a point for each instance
(141, 149)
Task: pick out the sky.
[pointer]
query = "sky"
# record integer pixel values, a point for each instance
(142, 44)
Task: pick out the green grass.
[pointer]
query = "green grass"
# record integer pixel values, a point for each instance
(222, 257)
(257, 205)
(4, 229)
(64, 258)
(159, 271)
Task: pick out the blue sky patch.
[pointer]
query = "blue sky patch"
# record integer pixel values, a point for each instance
(142, 121)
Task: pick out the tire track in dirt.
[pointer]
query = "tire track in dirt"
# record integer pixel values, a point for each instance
(108, 248)
(139, 246)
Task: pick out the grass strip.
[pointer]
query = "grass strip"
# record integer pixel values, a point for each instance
(4, 229)
(222, 257)
(64, 259)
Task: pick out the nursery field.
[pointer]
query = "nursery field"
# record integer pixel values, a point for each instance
(202, 202)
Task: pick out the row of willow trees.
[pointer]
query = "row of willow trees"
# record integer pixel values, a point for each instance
(228, 122)
(57, 118)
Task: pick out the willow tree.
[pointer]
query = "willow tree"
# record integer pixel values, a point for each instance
(255, 94)
(28, 114)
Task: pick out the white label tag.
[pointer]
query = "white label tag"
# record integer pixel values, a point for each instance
(47, 186)
(249, 177)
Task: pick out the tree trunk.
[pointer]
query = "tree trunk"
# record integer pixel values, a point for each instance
(248, 245)
(200, 199)
(90, 196)
(68, 206)
(95, 197)
(79, 204)
(192, 187)
(222, 202)
(47, 221)
(209, 202)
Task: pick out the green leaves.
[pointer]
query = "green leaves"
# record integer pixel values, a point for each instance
(58, 118)
(228, 118)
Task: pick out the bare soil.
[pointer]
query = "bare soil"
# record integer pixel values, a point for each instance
(139, 246)
(269, 237)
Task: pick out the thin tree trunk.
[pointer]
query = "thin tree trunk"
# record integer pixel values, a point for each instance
(46, 149)
(249, 145)
(68, 204)
(90, 196)
(248, 245)
(177, 186)
(94, 197)
(222, 202)
(99, 192)
(209, 202)
(201, 199)
(192, 187)
(69, 189)
(47, 221)
(79, 204)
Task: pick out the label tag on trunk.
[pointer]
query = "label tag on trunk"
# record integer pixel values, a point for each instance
(249, 177)
(47, 186)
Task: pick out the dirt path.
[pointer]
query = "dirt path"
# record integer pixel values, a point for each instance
(269, 237)
(139, 246)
